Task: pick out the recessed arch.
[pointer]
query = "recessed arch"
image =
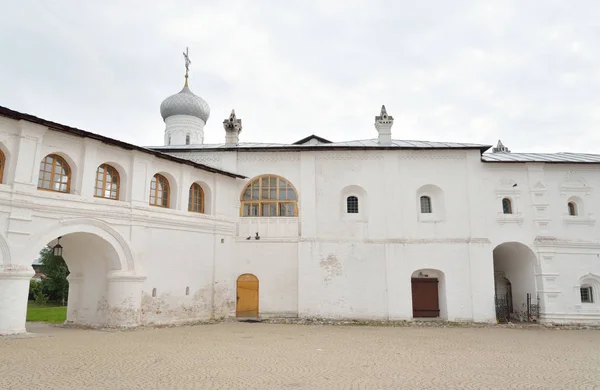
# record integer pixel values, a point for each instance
(589, 290)
(269, 196)
(354, 203)
(428, 286)
(6, 164)
(126, 260)
(247, 296)
(575, 206)
(431, 203)
(514, 275)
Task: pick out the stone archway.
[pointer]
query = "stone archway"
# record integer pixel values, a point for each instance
(104, 288)
(514, 275)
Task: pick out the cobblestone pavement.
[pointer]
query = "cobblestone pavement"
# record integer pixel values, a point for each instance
(270, 356)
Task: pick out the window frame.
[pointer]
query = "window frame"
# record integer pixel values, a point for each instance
(509, 204)
(55, 159)
(430, 204)
(276, 204)
(192, 197)
(355, 200)
(572, 209)
(590, 293)
(104, 182)
(2, 165)
(156, 179)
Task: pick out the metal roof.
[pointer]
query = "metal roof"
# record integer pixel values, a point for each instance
(6, 112)
(542, 157)
(358, 144)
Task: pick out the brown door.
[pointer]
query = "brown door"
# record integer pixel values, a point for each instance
(425, 297)
(247, 296)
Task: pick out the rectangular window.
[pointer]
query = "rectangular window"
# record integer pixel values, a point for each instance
(586, 294)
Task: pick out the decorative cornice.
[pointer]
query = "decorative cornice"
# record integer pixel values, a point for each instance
(409, 241)
(201, 159)
(268, 157)
(348, 156)
(429, 155)
(554, 242)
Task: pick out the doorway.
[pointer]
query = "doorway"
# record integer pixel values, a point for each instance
(425, 297)
(247, 296)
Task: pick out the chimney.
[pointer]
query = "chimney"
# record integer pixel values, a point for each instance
(383, 124)
(233, 127)
(500, 148)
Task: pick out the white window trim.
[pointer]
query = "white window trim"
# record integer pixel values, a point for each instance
(594, 306)
(516, 216)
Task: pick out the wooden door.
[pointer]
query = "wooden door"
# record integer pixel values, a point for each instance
(425, 297)
(247, 296)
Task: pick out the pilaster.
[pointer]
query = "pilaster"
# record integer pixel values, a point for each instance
(14, 290)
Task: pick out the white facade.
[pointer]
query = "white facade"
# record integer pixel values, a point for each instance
(132, 263)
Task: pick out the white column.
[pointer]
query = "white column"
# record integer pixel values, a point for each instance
(124, 301)
(14, 290)
(75, 281)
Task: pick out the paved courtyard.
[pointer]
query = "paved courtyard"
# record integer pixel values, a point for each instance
(269, 356)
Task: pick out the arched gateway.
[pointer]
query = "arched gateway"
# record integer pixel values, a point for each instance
(104, 288)
(514, 279)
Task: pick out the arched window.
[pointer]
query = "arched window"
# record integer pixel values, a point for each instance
(159, 191)
(55, 174)
(425, 205)
(572, 208)
(269, 196)
(2, 164)
(586, 293)
(506, 206)
(352, 205)
(169, 141)
(196, 200)
(107, 182)
(187, 139)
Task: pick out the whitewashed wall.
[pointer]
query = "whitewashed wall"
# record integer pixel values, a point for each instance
(359, 266)
(135, 247)
(325, 263)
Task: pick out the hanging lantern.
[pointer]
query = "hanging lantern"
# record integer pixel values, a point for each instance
(57, 249)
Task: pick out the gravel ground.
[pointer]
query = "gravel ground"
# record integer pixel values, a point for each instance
(292, 356)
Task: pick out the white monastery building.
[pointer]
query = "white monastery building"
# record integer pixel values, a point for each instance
(378, 229)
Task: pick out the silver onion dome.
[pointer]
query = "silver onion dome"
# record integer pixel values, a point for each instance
(185, 103)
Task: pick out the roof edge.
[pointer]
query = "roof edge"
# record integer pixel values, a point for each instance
(301, 148)
(16, 115)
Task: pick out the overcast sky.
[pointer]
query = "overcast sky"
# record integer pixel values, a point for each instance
(527, 72)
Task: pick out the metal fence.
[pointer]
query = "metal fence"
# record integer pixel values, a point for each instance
(505, 312)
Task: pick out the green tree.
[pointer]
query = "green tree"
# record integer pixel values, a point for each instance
(37, 290)
(55, 268)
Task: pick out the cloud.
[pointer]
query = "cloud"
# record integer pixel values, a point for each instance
(469, 71)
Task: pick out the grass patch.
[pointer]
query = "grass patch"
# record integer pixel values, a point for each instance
(46, 313)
